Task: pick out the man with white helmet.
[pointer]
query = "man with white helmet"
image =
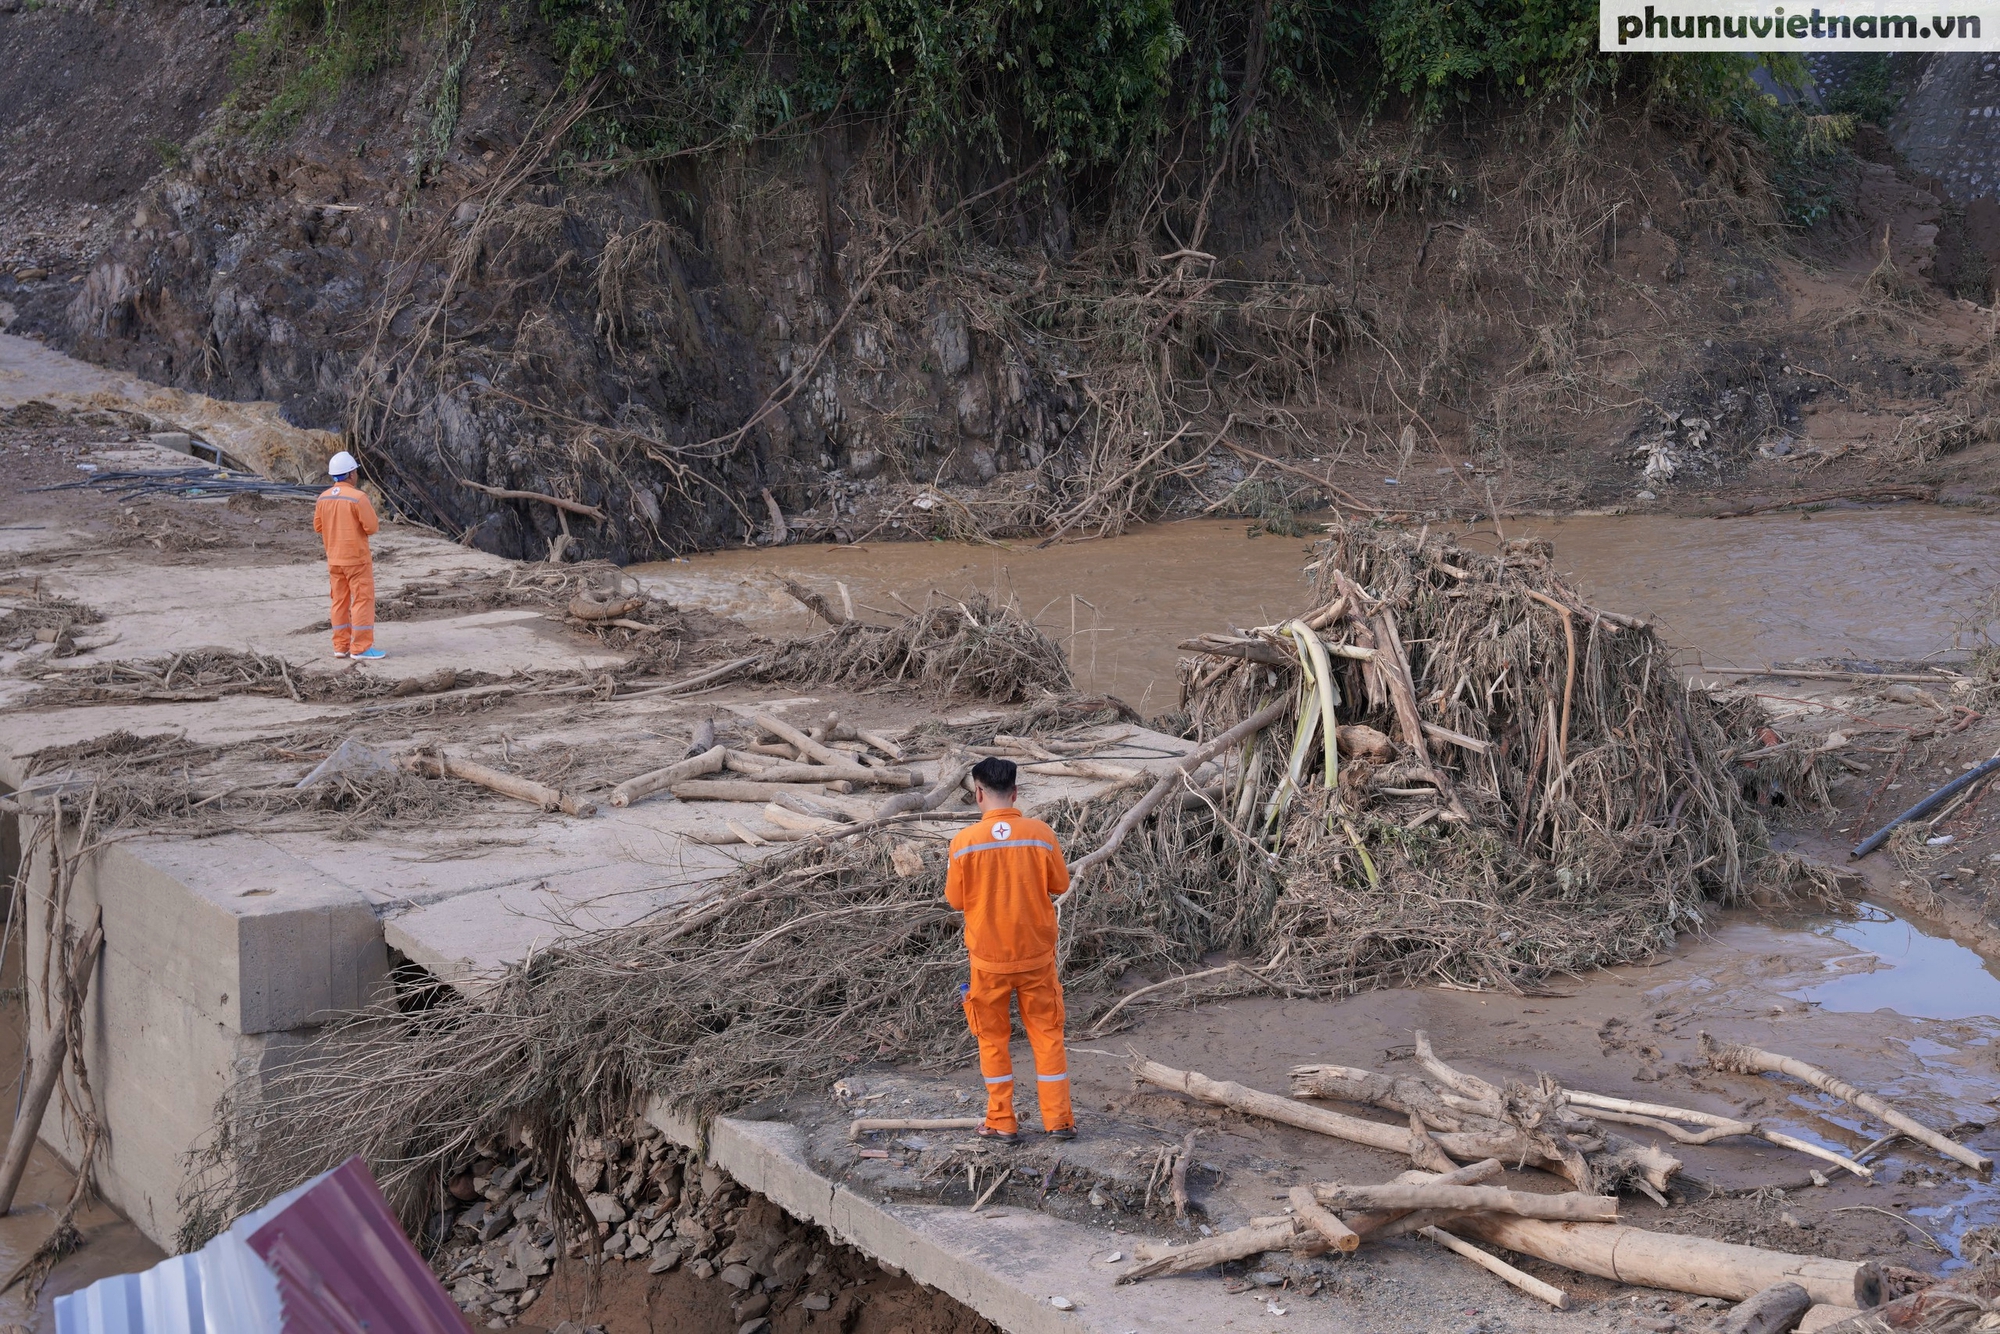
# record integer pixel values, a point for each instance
(345, 520)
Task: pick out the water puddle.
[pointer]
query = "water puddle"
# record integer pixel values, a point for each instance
(1732, 592)
(1895, 966)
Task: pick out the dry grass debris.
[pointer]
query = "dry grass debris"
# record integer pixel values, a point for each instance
(36, 615)
(1578, 809)
(951, 646)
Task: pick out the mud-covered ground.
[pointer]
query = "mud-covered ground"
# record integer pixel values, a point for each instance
(1791, 981)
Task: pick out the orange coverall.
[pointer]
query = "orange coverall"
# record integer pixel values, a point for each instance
(345, 519)
(1005, 874)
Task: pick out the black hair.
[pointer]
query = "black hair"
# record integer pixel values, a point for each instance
(995, 775)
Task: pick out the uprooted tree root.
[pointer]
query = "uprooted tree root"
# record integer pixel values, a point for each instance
(1592, 817)
(1566, 804)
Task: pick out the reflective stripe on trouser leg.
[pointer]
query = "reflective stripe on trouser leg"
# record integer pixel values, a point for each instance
(361, 603)
(1041, 1001)
(341, 616)
(986, 1015)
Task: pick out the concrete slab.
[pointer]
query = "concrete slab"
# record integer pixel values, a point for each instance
(224, 954)
(1006, 1264)
(256, 434)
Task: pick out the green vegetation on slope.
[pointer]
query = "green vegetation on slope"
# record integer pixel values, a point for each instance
(1073, 85)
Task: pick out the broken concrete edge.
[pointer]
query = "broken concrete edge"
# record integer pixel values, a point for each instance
(769, 1157)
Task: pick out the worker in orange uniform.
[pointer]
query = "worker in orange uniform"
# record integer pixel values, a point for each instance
(345, 520)
(1005, 874)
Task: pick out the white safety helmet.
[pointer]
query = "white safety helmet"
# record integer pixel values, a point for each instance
(341, 464)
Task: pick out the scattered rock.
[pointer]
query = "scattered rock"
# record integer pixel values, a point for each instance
(752, 1307)
(788, 1265)
(816, 1301)
(605, 1208)
(1062, 1303)
(739, 1276)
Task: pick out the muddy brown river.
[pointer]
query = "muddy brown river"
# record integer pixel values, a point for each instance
(1894, 584)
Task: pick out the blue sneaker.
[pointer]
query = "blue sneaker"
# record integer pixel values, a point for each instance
(370, 655)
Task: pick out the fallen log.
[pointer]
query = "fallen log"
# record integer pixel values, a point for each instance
(1819, 1319)
(1250, 650)
(804, 805)
(712, 676)
(1493, 1264)
(1337, 1234)
(951, 777)
(1815, 674)
(440, 765)
(659, 780)
(1864, 493)
(737, 833)
(1095, 770)
(1384, 1222)
(798, 740)
(1677, 1264)
(1376, 1135)
(1464, 1146)
(723, 789)
(781, 531)
(1776, 1310)
(816, 603)
(786, 818)
(1661, 1118)
(1532, 1126)
(1962, 1302)
(745, 761)
(586, 610)
(782, 772)
(869, 1124)
(881, 743)
(1227, 1246)
(503, 493)
(1752, 1060)
(1570, 1207)
(1187, 764)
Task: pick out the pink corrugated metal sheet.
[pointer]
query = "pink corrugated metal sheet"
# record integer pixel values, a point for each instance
(345, 1267)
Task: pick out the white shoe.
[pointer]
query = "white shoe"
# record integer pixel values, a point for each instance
(338, 653)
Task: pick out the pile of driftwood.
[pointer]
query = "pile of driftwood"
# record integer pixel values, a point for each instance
(1455, 1117)
(815, 781)
(806, 779)
(1462, 772)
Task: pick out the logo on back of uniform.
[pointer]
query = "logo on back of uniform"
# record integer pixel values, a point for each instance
(1003, 831)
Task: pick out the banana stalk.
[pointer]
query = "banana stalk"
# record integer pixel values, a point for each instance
(1317, 697)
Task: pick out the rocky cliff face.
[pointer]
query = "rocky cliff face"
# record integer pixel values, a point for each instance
(828, 335)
